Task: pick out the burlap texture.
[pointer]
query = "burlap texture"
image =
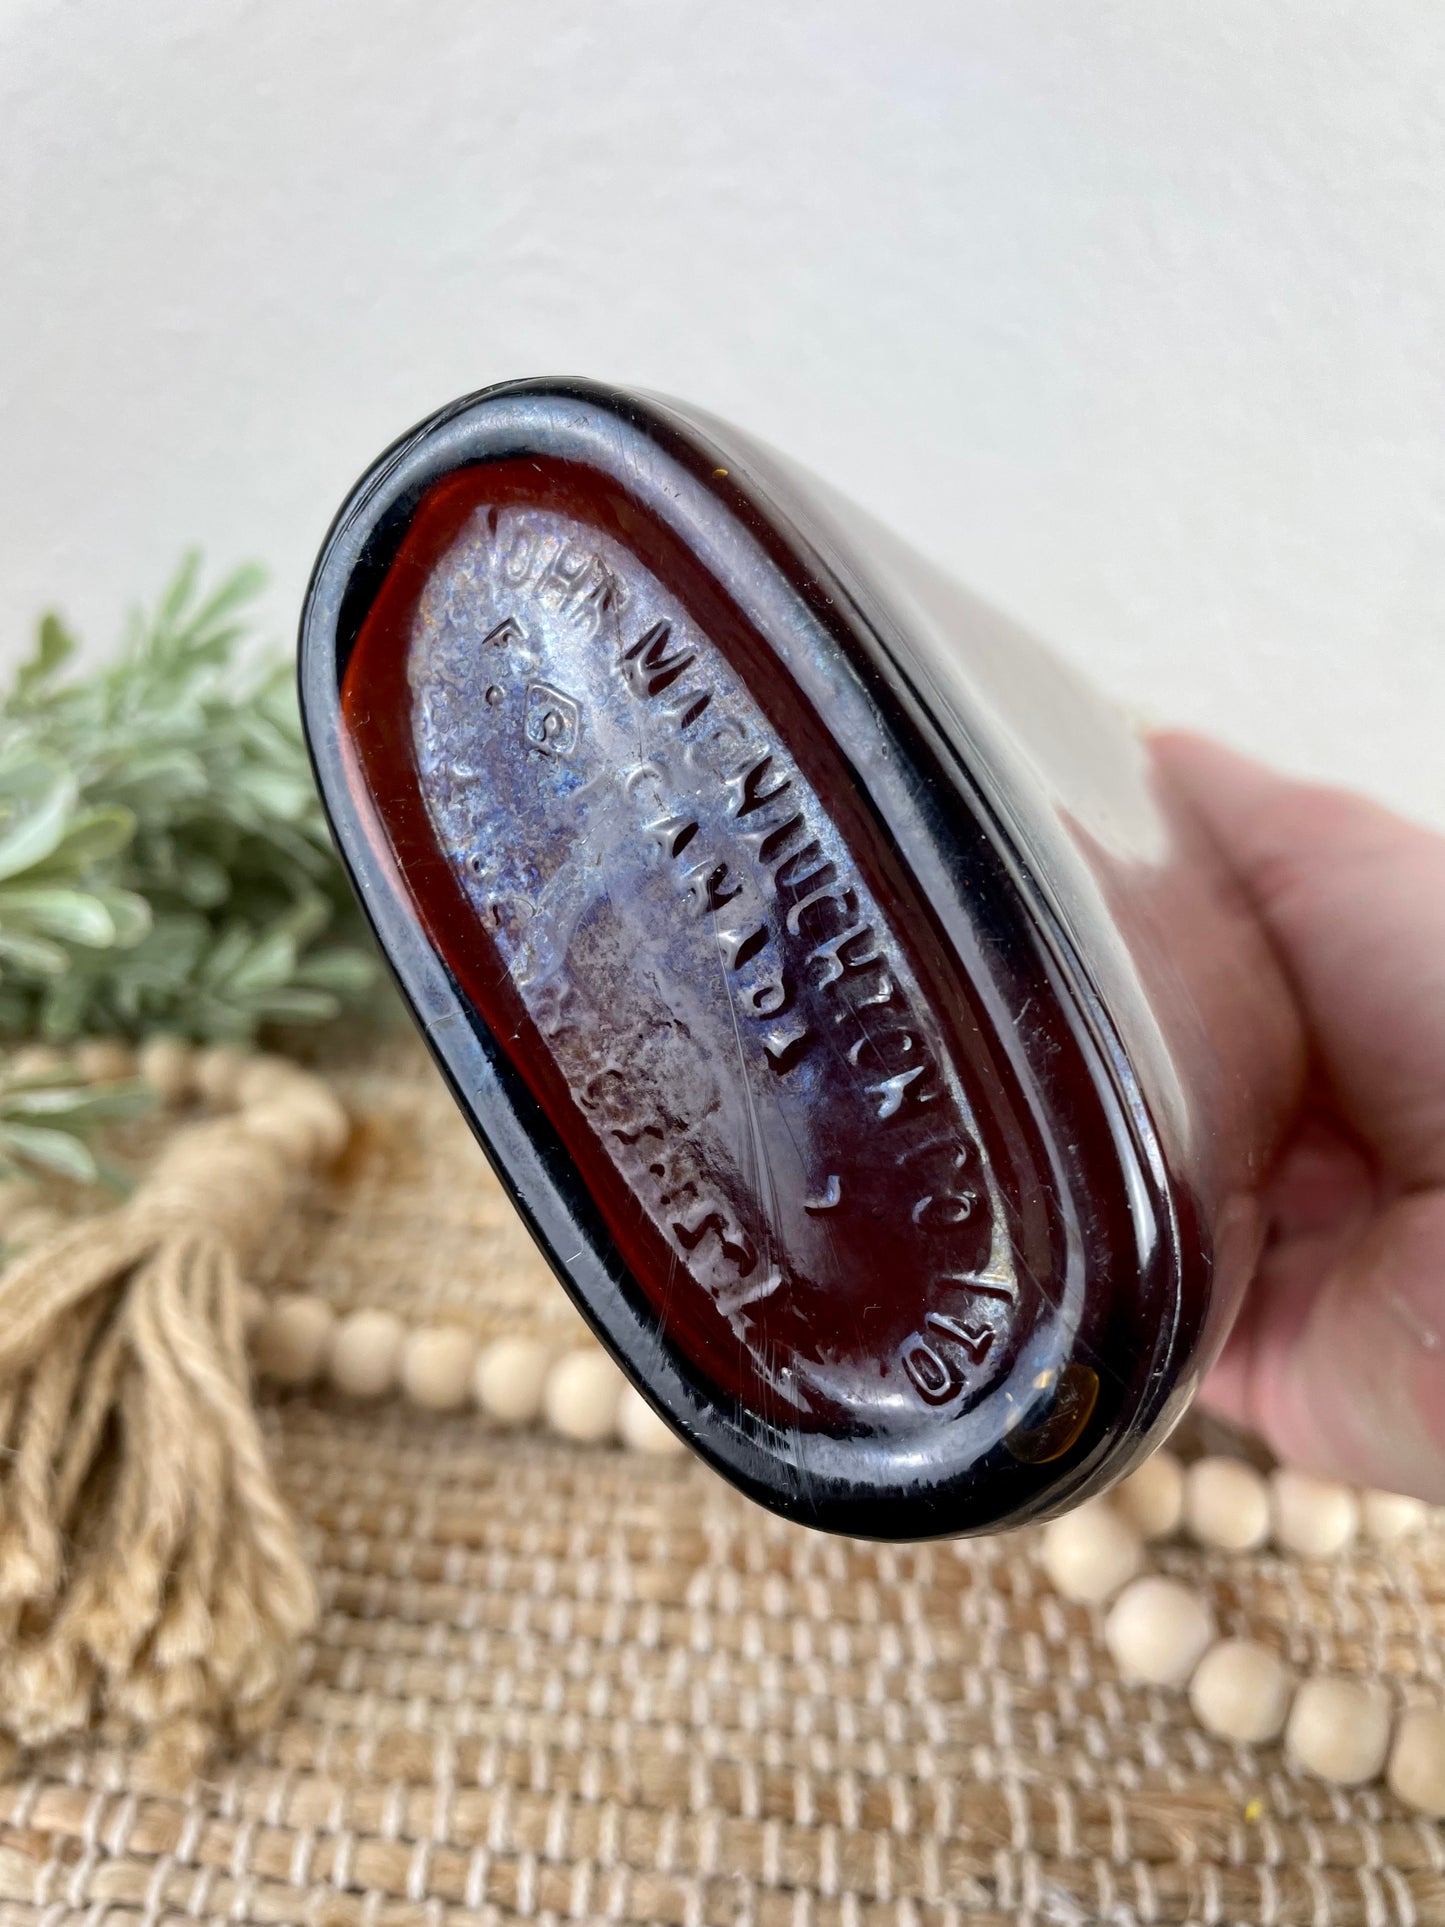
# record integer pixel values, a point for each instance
(565, 1683)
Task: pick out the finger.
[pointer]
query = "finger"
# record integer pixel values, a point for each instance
(1338, 1360)
(1353, 899)
(1318, 1203)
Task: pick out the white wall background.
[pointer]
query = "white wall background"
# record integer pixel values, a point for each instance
(1133, 315)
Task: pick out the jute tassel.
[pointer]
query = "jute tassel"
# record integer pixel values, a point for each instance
(150, 1577)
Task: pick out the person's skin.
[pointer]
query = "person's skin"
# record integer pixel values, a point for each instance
(1338, 1358)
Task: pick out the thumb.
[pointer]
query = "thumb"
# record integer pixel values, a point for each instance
(1338, 1360)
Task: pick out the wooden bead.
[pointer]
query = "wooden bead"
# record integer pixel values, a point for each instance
(217, 1074)
(295, 1111)
(581, 1396)
(36, 1060)
(265, 1077)
(1090, 1553)
(1157, 1630)
(1416, 1771)
(292, 1132)
(641, 1430)
(168, 1065)
(436, 1367)
(1339, 1730)
(326, 1117)
(293, 1338)
(509, 1377)
(1315, 1518)
(1152, 1499)
(1241, 1691)
(365, 1353)
(1226, 1504)
(1388, 1517)
(105, 1060)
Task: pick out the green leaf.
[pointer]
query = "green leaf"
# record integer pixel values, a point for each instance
(110, 1177)
(270, 963)
(180, 590)
(202, 880)
(346, 972)
(130, 914)
(294, 1005)
(42, 794)
(49, 1150)
(70, 915)
(162, 775)
(242, 585)
(169, 954)
(35, 955)
(54, 646)
(306, 918)
(75, 1106)
(63, 1007)
(283, 793)
(230, 952)
(93, 837)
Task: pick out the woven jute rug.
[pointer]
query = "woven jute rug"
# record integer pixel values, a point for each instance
(560, 1683)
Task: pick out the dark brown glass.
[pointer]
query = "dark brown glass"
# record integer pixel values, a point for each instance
(886, 1102)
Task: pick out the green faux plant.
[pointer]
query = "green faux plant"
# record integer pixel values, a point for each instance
(47, 1120)
(164, 863)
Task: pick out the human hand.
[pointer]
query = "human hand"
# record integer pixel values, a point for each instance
(1338, 1357)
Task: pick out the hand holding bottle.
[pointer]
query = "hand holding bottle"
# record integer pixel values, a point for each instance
(1338, 1357)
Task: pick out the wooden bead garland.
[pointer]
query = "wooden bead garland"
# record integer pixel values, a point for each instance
(1226, 1504)
(1339, 1730)
(1091, 1553)
(437, 1363)
(165, 1063)
(292, 1339)
(1160, 1631)
(1317, 1518)
(1152, 1499)
(1242, 1690)
(640, 1428)
(365, 1353)
(1416, 1770)
(104, 1060)
(1388, 1517)
(510, 1378)
(578, 1393)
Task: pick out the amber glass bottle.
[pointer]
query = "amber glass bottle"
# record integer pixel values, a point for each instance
(883, 1062)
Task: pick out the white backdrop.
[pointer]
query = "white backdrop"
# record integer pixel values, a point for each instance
(1130, 314)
